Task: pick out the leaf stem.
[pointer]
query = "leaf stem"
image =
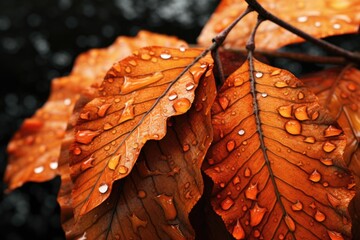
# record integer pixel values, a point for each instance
(354, 57)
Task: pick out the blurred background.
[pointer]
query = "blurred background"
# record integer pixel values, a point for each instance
(39, 40)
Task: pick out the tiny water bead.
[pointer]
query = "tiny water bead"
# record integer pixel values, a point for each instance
(241, 132)
(103, 188)
(264, 94)
(165, 55)
(258, 74)
(39, 169)
(53, 165)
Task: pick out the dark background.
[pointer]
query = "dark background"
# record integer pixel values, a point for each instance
(39, 40)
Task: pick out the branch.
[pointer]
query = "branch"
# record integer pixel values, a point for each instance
(354, 57)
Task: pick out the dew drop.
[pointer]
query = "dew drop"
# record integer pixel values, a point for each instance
(238, 231)
(86, 136)
(256, 214)
(319, 216)
(301, 113)
(285, 111)
(186, 147)
(103, 109)
(141, 194)
(258, 74)
(236, 180)
(113, 162)
(172, 96)
(39, 169)
(302, 19)
(145, 56)
(181, 105)
(224, 102)
(182, 48)
(227, 203)
(297, 206)
(309, 140)
(103, 188)
(128, 112)
(328, 147)
(315, 176)
(53, 165)
(241, 132)
(293, 127)
(335, 235)
(128, 69)
(315, 115)
(252, 191)
(133, 63)
(238, 81)
(332, 131)
(281, 236)
(333, 200)
(123, 169)
(264, 94)
(317, 24)
(167, 204)
(247, 172)
(230, 145)
(300, 95)
(290, 223)
(67, 101)
(189, 86)
(133, 83)
(165, 55)
(336, 26)
(77, 151)
(281, 84)
(276, 72)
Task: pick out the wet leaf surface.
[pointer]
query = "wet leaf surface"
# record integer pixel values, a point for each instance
(32, 157)
(154, 200)
(318, 18)
(276, 160)
(137, 96)
(338, 90)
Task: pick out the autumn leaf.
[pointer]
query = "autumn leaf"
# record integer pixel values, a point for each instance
(154, 201)
(138, 95)
(276, 160)
(338, 91)
(319, 18)
(32, 157)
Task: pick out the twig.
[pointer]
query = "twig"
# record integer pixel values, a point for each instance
(354, 57)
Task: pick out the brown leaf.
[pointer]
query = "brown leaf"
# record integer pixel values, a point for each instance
(154, 201)
(32, 156)
(338, 90)
(319, 18)
(276, 171)
(138, 95)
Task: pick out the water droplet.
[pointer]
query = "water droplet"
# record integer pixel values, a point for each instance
(189, 86)
(247, 172)
(103, 109)
(103, 188)
(145, 56)
(290, 223)
(285, 111)
(227, 203)
(256, 214)
(315, 115)
(128, 69)
(302, 19)
(327, 161)
(133, 62)
(154, 59)
(293, 127)
(297, 206)
(67, 101)
(252, 191)
(300, 95)
(182, 48)
(238, 81)
(317, 24)
(167, 204)
(301, 113)
(258, 74)
(281, 84)
(53, 165)
(336, 26)
(236, 180)
(88, 163)
(335, 235)
(224, 102)
(128, 112)
(165, 55)
(39, 169)
(113, 162)
(329, 147)
(319, 216)
(181, 105)
(333, 200)
(86, 136)
(77, 151)
(264, 94)
(230, 145)
(123, 169)
(238, 231)
(332, 131)
(133, 83)
(241, 132)
(186, 147)
(141, 194)
(281, 236)
(276, 72)
(315, 176)
(136, 222)
(85, 115)
(198, 107)
(32, 125)
(172, 96)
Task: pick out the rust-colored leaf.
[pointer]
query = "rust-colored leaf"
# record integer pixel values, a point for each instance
(276, 172)
(34, 149)
(338, 90)
(319, 18)
(135, 102)
(154, 201)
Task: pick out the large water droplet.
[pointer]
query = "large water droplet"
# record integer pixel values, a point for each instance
(315, 176)
(113, 162)
(297, 206)
(290, 223)
(301, 113)
(329, 147)
(332, 131)
(252, 191)
(256, 214)
(224, 102)
(86, 136)
(167, 204)
(103, 188)
(293, 127)
(128, 112)
(230, 145)
(227, 203)
(319, 216)
(238, 231)
(103, 109)
(285, 111)
(182, 105)
(133, 83)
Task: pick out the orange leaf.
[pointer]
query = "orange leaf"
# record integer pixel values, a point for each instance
(276, 172)
(319, 18)
(136, 98)
(154, 201)
(34, 149)
(338, 90)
